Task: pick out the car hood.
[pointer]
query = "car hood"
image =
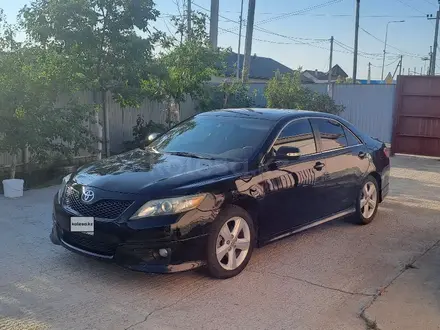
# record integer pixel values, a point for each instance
(143, 172)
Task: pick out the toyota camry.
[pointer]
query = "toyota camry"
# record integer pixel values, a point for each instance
(217, 185)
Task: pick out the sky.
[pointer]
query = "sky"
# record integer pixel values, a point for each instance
(297, 32)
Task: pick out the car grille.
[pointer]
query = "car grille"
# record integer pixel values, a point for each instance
(89, 243)
(107, 209)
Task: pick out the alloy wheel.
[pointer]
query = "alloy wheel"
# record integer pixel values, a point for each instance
(368, 200)
(233, 243)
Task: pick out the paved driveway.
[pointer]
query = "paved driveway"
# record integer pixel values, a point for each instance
(319, 279)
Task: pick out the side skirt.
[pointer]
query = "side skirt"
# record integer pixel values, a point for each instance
(313, 224)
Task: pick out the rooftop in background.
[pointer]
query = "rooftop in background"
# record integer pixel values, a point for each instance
(315, 76)
(263, 68)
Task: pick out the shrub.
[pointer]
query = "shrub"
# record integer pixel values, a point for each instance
(286, 91)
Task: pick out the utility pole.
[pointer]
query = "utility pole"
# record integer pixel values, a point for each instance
(434, 50)
(385, 47)
(369, 73)
(248, 43)
(213, 27)
(430, 61)
(356, 41)
(330, 70)
(188, 19)
(401, 64)
(239, 41)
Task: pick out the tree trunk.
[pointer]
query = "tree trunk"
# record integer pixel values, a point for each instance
(13, 165)
(106, 123)
(97, 129)
(25, 157)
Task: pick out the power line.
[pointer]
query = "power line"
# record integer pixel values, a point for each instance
(431, 3)
(412, 7)
(298, 40)
(301, 11)
(370, 56)
(339, 15)
(298, 12)
(398, 49)
(393, 62)
(263, 40)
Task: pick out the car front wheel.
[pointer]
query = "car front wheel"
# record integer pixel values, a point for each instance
(368, 201)
(230, 243)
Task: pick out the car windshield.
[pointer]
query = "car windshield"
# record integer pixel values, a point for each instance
(228, 138)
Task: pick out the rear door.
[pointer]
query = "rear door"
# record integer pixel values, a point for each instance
(346, 162)
(293, 187)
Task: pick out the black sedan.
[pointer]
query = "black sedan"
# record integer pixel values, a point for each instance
(215, 186)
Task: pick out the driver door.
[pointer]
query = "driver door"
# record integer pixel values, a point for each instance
(294, 188)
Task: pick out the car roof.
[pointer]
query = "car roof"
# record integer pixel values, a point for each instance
(266, 113)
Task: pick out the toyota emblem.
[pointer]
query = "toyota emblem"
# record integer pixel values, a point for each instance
(87, 196)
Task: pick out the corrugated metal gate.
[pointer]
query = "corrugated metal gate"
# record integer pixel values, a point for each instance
(416, 123)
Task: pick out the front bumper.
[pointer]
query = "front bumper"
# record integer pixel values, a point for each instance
(138, 248)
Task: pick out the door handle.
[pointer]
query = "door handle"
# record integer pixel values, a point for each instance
(362, 155)
(319, 166)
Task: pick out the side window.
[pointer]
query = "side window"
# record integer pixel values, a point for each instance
(332, 134)
(351, 138)
(298, 134)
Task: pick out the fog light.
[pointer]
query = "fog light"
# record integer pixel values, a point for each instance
(163, 253)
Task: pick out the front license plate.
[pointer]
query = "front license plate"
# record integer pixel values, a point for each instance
(84, 225)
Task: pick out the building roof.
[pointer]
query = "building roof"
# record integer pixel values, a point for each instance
(261, 67)
(314, 76)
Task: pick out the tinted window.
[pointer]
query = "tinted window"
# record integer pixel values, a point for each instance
(298, 134)
(214, 136)
(332, 134)
(351, 138)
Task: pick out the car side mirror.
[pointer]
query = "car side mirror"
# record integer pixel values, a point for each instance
(288, 153)
(152, 136)
(148, 140)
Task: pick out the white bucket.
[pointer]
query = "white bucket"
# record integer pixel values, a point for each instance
(13, 188)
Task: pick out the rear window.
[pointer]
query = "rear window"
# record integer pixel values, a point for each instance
(332, 134)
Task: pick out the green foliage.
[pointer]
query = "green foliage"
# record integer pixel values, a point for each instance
(32, 113)
(100, 38)
(286, 91)
(187, 65)
(228, 94)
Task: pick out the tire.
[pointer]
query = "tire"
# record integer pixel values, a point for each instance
(366, 216)
(225, 258)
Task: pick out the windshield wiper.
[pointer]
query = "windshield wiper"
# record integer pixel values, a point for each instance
(189, 154)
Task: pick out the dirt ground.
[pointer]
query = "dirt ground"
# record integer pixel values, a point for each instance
(330, 277)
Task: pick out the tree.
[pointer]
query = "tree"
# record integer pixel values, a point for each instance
(229, 94)
(101, 40)
(286, 91)
(186, 65)
(31, 114)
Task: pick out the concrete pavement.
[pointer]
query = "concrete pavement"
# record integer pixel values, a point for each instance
(320, 279)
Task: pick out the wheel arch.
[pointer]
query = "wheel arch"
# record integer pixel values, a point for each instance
(378, 178)
(250, 205)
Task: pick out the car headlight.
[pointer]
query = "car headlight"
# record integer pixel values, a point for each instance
(63, 187)
(168, 206)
